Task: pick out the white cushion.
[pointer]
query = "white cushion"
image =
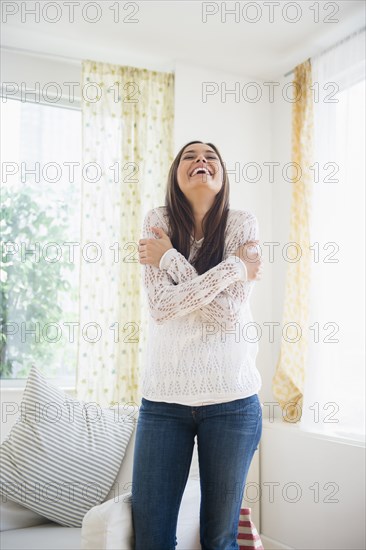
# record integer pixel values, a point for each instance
(62, 455)
(109, 526)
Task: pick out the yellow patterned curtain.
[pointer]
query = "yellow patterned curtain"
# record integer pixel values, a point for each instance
(128, 116)
(288, 381)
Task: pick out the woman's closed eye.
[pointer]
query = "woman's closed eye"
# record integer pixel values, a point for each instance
(191, 156)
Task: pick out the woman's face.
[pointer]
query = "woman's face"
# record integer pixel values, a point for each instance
(199, 171)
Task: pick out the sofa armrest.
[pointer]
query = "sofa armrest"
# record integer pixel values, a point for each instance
(109, 526)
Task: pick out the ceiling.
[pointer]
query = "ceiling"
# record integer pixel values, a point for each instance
(167, 32)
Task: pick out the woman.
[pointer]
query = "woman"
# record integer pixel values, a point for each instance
(201, 379)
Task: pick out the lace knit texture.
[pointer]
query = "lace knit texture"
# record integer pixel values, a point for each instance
(200, 347)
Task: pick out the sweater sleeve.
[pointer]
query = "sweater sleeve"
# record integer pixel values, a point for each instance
(226, 305)
(168, 299)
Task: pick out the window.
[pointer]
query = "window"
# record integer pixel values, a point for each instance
(40, 212)
(334, 395)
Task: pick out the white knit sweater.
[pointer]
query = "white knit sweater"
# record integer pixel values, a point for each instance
(200, 348)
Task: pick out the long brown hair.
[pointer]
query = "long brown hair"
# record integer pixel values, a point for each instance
(182, 222)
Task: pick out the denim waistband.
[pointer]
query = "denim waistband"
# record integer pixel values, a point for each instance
(182, 410)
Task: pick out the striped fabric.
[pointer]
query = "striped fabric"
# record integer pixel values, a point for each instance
(248, 536)
(62, 455)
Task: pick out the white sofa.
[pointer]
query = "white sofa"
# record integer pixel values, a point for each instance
(106, 526)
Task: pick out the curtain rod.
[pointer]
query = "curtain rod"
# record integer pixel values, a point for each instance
(352, 35)
(76, 60)
(293, 70)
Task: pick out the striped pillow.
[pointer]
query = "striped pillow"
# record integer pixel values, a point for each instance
(247, 533)
(62, 455)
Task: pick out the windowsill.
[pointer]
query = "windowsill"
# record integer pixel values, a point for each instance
(279, 424)
(19, 385)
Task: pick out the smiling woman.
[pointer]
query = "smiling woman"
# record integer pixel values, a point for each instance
(198, 273)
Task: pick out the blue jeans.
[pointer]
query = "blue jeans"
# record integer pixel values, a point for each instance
(228, 434)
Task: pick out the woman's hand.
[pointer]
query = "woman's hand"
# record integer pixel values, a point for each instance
(151, 250)
(250, 255)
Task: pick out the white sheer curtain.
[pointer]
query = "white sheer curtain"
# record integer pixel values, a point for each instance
(128, 119)
(334, 393)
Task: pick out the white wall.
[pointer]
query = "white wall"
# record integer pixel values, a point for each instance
(318, 490)
(281, 120)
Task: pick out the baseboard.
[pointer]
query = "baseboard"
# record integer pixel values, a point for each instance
(270, 544)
